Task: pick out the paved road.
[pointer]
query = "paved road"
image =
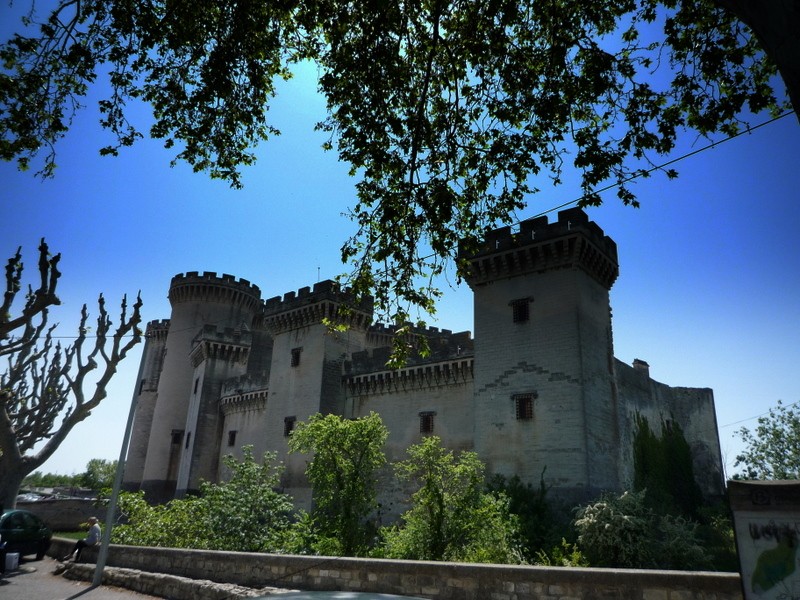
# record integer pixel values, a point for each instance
(35, 580)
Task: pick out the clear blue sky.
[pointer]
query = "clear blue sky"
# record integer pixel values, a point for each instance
(708, 293)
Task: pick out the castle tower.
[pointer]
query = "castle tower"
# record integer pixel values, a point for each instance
(544, 395)
(306, 370)
(197, 300)
(218, 355)
(155, 341)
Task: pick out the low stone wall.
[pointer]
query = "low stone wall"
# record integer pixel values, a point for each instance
(434, 580)
(64, 515)
(164, 586)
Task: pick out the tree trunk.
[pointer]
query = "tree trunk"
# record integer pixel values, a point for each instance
(776, 25)
(10, 480)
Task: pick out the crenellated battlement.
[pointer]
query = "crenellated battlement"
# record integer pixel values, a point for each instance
(254, 400)
(456, 371)
(244, 383)
(441, 342)
(221, 343)
(443, 345)
(322, 290)
(310, 306)
(378, 329)
(244, 393)
(208, 287)
(157, 329)
(571, 241)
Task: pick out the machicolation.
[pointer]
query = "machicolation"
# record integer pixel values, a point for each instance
(208, 287)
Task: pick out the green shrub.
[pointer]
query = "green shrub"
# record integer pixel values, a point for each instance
(622, 531)
(451, 517)
(243, 514)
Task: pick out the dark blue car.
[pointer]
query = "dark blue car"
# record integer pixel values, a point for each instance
(22, 531)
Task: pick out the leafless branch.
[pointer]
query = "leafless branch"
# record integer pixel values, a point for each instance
(45, 381)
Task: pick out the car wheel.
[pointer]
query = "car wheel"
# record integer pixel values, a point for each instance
(43, 545)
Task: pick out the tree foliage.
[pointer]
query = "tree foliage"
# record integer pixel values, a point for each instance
(622, 531)
(773, 449)
(542, 521)
(243, 514)
(39, 479)
(451, 516)
(663, 469)
(342, 472)
(99, 474)
(44, 381)
(450, 112)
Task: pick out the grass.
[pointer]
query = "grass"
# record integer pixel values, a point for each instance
(73, 535)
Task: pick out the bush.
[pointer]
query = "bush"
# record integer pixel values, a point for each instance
(542, 522)
(345, 456)
(622, 531)
(451, 517)
(244, 514)
(563, 555)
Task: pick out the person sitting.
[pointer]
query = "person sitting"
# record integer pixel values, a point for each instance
(92, 539)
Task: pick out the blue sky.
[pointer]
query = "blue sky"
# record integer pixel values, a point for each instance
(708, 293)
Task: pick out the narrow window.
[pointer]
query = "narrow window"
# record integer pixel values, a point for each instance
(196, 381)
(288, 425)
(426, 422)
(141, 385)
(523, 406)
(188, 437)
(231, 438)
(177, 436)
(520, 310)
(296, 356)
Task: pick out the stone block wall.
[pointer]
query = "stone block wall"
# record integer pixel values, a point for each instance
(64, 515)
(434, 580)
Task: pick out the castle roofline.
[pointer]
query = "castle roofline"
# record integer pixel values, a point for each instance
(456, 370)
(310, 306)
(209, 287)
(573, 241)
(157, 329)
(322, 290)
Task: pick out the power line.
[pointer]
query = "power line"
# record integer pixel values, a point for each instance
(663, 165)
(757, 416)
(606, 188)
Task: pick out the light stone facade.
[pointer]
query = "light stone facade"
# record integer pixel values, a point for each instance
(536, 393)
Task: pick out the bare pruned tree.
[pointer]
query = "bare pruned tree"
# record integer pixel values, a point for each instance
(42, 389)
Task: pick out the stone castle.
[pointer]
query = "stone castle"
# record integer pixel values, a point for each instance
(537, 390)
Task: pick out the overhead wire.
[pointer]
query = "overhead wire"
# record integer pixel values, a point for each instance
(793, 404)
(637, 175)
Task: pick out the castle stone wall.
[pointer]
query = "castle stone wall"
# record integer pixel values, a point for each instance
(691, 408)
(440, 390)
(218, 355)
(147, 396)
(244, 407)
(538, 357)
(536, 393)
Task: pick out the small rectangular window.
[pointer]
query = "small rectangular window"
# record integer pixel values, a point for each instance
(231, 438)
(520, 310)
(188, 438)
(177, 436)
(288, 425)
(523, 406)
(196, 382)
(426, 422)
(141, 385)
(296, 356)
